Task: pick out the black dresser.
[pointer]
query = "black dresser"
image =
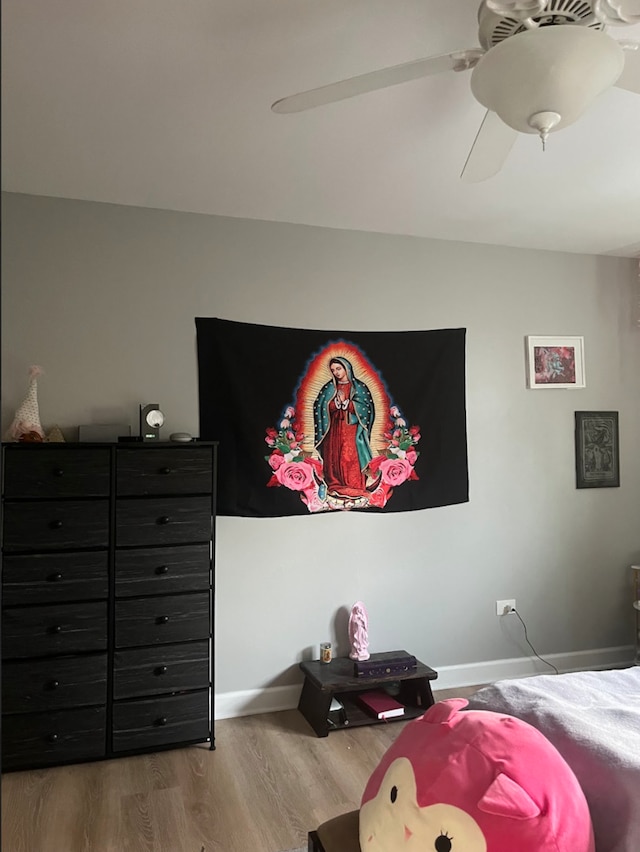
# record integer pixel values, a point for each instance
(107, 600)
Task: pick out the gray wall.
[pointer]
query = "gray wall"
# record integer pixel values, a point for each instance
(104, 298)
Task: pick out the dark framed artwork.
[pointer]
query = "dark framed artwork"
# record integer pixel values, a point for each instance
(597, 449)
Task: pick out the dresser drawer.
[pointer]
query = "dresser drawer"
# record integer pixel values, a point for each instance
(153, 621)
(43, 472)
(55, 577)
(43, 739)
(156, 571)
(40, 631)
(41, 685)
(167, 668)
(56, 525)
(163, 520)
(164, 471)
(161, 721)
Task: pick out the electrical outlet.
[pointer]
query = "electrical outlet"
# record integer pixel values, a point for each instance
(505, 607)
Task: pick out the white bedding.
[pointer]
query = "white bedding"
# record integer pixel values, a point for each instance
(593, 719)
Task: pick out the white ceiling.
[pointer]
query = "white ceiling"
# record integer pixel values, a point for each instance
(166, 103)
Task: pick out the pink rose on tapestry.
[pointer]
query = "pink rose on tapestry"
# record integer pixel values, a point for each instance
(276, 460)
(312, 500)
(380, 496)
(298, 476)
(395, 471)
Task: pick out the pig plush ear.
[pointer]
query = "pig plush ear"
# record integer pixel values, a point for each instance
(505, 798)
(445, 712)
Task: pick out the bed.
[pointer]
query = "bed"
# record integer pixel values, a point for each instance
(593, 719)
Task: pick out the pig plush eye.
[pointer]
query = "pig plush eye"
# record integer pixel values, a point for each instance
(443, 843)
(393, 795)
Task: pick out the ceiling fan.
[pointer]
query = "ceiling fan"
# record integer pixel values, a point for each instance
(540, 65)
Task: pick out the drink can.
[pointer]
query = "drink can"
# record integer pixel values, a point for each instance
(325, 652)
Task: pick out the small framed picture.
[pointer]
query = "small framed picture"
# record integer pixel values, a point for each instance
(597, 451)
(555, 362)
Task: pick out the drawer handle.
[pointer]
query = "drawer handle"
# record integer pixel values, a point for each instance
(165, 519)
(162, 619)
(56, 525)
(165, 471)
(52, 738)
(54, 578)
(52, 684)
(55, 628)
(161, 722)
(58, 471)
(160, 670)
(162, 569)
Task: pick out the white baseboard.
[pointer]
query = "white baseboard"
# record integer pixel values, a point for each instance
(251, 701)
(450, 677)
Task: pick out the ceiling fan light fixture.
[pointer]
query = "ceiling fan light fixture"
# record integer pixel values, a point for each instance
(559, 70)
(543, 123)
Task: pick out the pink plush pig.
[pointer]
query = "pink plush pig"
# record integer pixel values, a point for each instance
(473, 781)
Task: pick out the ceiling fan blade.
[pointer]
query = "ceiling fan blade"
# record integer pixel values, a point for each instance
(617, 13)
(462, 60)
(490, 149)
(518, 9)
(630, 77)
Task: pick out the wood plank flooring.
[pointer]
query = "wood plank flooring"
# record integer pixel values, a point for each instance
(268, 782)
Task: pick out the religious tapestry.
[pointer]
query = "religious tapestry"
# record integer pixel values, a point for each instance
(317, 421)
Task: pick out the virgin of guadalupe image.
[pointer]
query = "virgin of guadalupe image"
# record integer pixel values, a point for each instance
(343, 417)
(342, 436)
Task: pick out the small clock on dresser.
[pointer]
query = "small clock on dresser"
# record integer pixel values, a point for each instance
(151, 419)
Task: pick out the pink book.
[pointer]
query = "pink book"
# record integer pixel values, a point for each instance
(380, 704)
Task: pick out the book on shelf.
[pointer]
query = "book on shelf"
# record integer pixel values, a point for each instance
(380, 704)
